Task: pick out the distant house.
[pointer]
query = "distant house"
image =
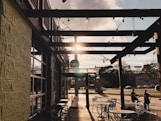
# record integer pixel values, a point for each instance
(148, 75)
(142, 79)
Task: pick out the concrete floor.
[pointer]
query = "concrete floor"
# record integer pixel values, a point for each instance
(77, 110)
(80, 112)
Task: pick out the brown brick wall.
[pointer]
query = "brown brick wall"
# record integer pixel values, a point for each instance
(15, 43)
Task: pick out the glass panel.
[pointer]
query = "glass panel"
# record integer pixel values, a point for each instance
(34, 4)
(38, 81)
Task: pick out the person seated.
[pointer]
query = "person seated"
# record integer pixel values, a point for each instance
(134, 96)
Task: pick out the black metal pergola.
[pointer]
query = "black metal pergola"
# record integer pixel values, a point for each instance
(141, 40)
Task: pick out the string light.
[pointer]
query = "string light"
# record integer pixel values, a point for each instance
(87, 19)
(141, 18)
(123, 20)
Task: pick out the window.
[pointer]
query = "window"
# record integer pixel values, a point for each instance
(38, 89)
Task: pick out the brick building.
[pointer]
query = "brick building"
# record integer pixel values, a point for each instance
(31, 75)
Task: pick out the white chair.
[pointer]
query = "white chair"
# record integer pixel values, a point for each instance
(113, 103)
(94, 100)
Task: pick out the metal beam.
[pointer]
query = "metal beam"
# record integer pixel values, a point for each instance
(95, 13)
(101, 44)
(93, 33)
(156, 26)
(75, 74)
(96, 52)
(150, 49)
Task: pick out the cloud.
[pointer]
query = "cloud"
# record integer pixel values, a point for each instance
(95, 4)
(88, 4)
(85, 4)
(93, 24)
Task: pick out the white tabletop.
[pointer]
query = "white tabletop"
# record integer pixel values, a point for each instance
(62, 104)
(63, 100)
(102, 103)
(102, 99)
(122, 111)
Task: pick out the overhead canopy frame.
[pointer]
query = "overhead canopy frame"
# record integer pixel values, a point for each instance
(143, 35)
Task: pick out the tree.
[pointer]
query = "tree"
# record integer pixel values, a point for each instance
(109, 76)
(150, 70)
(128, 76)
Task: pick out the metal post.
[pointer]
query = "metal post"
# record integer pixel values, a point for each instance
(87, 93)
(121, 85)
(158, 49)
(76, 69)
(76, 86)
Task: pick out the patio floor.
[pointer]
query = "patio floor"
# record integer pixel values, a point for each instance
(79, 112)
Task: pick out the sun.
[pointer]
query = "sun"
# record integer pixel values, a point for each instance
(78, 47)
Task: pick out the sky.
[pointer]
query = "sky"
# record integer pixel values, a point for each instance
(133, 23)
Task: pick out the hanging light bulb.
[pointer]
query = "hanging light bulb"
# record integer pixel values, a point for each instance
(123, 20)
(87, 19)
(132, 34)
(68, 20)
(141, 18)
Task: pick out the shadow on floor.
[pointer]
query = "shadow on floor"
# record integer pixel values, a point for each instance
(103, 94)
(92, 118)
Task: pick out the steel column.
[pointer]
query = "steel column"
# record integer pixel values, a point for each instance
(157, 36)
(87, 93)
(121, 85)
